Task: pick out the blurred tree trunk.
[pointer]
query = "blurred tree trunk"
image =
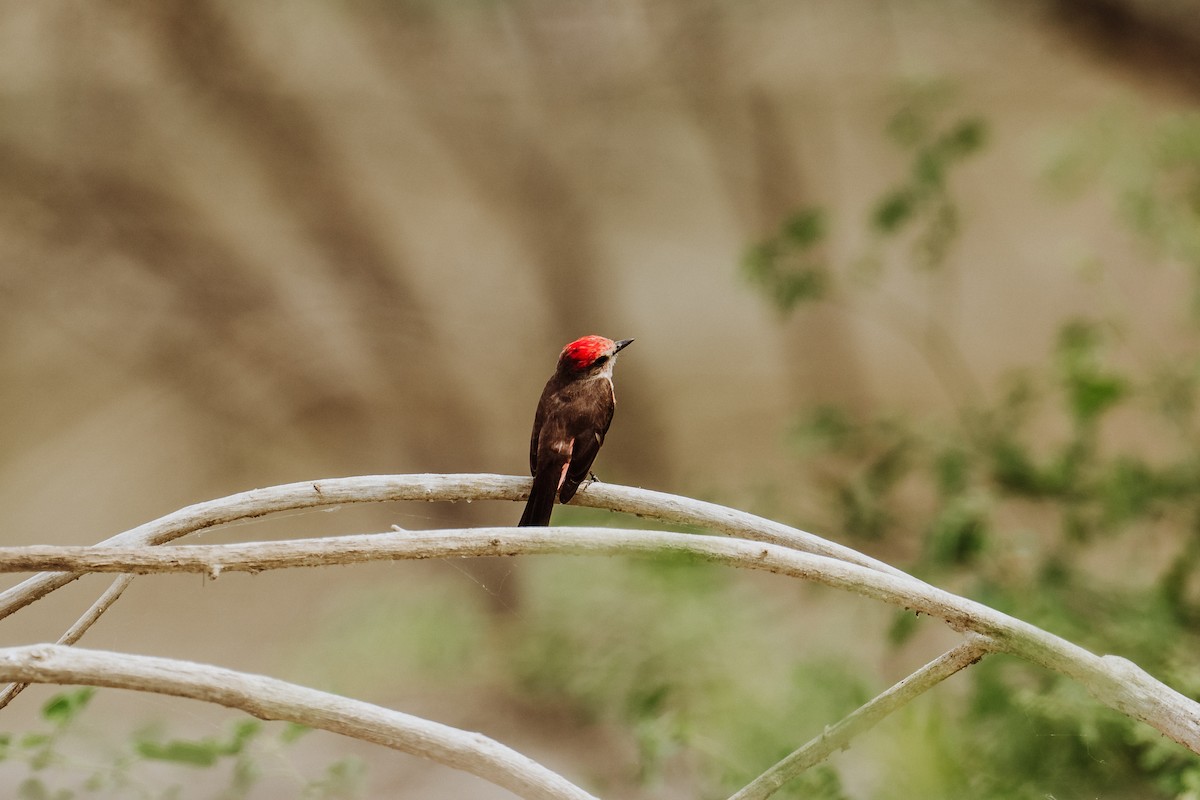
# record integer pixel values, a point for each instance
(756, 156)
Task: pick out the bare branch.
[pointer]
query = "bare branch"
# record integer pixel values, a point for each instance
(76, 631)
(837, 737)
(433, 487)
(1113, 681)
(271, 699)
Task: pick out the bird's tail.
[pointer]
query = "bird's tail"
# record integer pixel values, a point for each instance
(541, 499)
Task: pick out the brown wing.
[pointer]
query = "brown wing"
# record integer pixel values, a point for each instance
(539, 419)
(598, 405)
(554, 447)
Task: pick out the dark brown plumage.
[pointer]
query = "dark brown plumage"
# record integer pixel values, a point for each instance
(572, 419)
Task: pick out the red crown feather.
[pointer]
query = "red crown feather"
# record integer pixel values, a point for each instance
(583, 352)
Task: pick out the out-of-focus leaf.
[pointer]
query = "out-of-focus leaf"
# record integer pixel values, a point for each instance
(893, 210)
(805, 228)
(198, 753)
(62, 708)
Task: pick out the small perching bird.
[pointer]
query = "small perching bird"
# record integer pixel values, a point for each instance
(571, 420)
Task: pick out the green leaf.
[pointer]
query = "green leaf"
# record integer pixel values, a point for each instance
(246, 773)
(244, 730)
(804, 284)
(929, 171)
(32, 740)
(1130, 489)
(965, 138)
(959, 534)
(1091, 389)
(1092, 395)
(895, 209)
(1014, 470)
(292, 732)
(201, 753)
(781, 265)
(826, 427)
(805, 228)
(62, 708)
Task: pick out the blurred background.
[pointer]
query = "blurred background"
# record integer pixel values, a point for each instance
(920, 277)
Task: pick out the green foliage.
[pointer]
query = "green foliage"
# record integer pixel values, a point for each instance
(68, 760)
(922, 201)
(674, 651)
(1021, 491)
(63, 708)
(198, 752)
(670, 660)
(880, 452)
(1090, 387)
(787, 266)
(1015, 738)
(293, 732)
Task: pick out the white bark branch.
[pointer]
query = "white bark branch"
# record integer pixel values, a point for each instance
(837, 737)
(434, 487)
(763, 545)
(272, 699)
(1113, 681)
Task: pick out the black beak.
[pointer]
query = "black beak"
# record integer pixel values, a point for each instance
(621, 345)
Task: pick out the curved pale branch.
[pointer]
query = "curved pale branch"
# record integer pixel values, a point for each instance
(1113, 681)
(837, 737)
(268, 698)
(433, 487)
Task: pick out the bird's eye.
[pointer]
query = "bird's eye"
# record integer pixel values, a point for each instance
(599, 361)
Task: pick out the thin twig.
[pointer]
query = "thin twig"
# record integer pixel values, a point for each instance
(272, 699)
(837, 737)
(76, 631)
(1113, 681)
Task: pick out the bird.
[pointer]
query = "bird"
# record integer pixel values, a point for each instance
(571, 421)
